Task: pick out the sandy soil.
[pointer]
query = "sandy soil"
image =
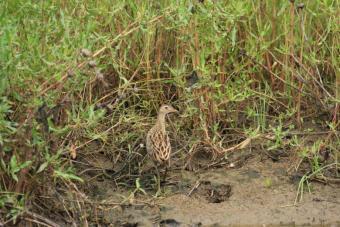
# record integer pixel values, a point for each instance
(258, 194)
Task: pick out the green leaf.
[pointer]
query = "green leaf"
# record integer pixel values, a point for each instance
(14, 176)
(42, 167)
(67, 176)
(3, 164)
(13, 164)
(233, 36)
(25, 164)
(137, 183)
(142, 190)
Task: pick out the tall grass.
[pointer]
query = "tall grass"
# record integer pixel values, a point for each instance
(231, 67)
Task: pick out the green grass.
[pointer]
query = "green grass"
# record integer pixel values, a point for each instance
(265, 65)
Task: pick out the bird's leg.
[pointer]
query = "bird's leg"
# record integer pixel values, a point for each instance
(167, 167)
(158, 181)
(165, 173)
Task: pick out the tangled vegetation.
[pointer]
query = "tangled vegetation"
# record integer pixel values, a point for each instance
(84, 79)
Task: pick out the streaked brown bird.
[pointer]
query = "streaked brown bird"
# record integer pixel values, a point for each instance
(157, 140)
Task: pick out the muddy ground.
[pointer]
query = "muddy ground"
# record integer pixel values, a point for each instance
(261, 192)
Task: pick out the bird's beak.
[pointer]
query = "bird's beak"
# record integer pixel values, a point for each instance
(175, 111)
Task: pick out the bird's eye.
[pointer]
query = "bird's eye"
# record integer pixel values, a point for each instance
(166, 107)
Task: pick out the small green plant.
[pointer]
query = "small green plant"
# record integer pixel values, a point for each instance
(14, 167)
(139, 187)
(13, 203)
(311, 154)
(279, 135)
(132, 195)
(67, 174)
(268, 183)
(304, 182)
(7, 127)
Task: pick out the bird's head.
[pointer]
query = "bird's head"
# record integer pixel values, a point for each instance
(165, 109)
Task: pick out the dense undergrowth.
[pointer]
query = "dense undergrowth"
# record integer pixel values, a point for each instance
(79, 79)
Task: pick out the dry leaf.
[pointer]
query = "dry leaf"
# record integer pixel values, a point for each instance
(85, 52)
(73, 151)
(92, 64)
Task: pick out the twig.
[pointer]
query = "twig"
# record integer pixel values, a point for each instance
(273, 74)
(267, 96)
(198, 183)
(36, 221)
(103, 203)
(106, 131)
(325, 200)
(311, 133)
(326, 180)
(47, 221)
(311, 75)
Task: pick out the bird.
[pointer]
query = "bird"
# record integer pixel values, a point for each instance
(158, 142)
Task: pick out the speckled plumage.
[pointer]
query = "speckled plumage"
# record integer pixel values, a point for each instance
(157, 140)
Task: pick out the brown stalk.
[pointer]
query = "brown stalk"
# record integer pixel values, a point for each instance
(148, 51)
(21, 185)
(290, 63)
(39, 220)
(202, 91)
(212, 90)
(273, 22)
(180, 47)
(222, 75)
(298, 117)
(337, 95)
(158, 51)
(268, 60)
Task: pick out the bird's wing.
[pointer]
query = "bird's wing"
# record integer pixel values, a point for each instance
(159, 144)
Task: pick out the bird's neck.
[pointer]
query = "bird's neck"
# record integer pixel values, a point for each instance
(161, 121)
